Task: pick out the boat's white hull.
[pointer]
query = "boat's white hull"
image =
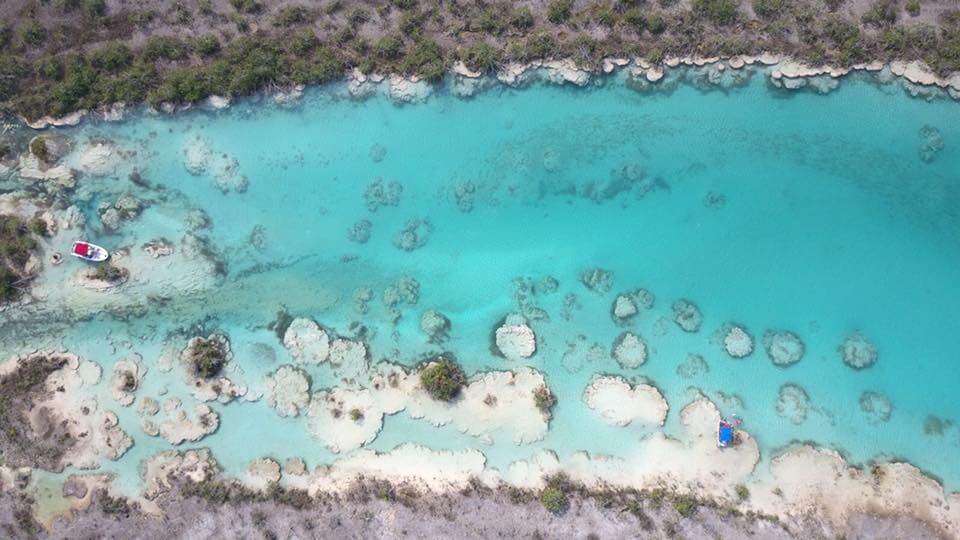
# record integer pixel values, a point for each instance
(95, 253)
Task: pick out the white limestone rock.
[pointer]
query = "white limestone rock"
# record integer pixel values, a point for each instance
(288, 390)
(619, 404)
(514, 339)
(307, 342)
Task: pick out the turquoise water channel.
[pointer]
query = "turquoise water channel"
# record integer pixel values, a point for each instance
(800, 212)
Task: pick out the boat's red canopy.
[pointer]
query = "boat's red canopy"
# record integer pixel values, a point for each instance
(81, 248)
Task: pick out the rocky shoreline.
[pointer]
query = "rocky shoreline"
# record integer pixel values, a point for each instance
(782, 72)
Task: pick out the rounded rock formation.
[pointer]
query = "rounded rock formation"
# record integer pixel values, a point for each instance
(629, 350)
(783, 348)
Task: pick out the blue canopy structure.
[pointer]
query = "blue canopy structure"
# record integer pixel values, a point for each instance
(725, 434)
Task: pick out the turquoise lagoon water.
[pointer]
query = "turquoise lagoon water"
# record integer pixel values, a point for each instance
(830, 223)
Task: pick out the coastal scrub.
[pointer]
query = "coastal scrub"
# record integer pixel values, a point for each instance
(443, 379)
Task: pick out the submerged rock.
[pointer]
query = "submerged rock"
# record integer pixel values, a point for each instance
(597, 280)
(876, 406)
(414, 235)
(687, 315)
(737, 342)
(628, 304)
(514, 339)
(693, 366)
(793, 403)
(359, 232)
(464, 193)
(858, 352)
(783, 348)
(158, 247)
(435, 325)
(629, 350)
(379, 194)
(377, 153)
(931, 143)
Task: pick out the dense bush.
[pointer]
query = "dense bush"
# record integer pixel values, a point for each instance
(208, 357)
(482, 57)
(559, 11)
(635, 18)
(522, 18)
(913, 7)
(769, 9)
(112, 57)
(426, 60)
(32, 33)
(720, 12)
(246, 6)
(443, 379)
(882, 13)
(554, 500)
(164, 48)
(206, 45)
(292, 15)
(389, 47)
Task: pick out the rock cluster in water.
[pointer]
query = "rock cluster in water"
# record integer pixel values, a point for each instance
(858, 352)
(737, 342)
(629, 350)
(514, 339)
(687, 316)
(793, 403)
(379, 194)
(876, 406)
(783, 348)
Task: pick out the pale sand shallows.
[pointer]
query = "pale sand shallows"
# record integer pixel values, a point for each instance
(619, 404)
(491, 403)
(95, 432)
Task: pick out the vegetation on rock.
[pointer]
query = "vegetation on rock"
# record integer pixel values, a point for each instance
(59, 57)
(443, 379)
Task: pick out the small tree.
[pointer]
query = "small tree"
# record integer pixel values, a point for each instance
(442, 379)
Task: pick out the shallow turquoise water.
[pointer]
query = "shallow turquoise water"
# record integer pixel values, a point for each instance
(832, 223)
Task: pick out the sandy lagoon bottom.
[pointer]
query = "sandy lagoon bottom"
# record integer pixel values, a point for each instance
(647, 257)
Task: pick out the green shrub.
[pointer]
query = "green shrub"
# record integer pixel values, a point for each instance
(541, 45)
(559, 11)
(656, 24)
(913, 7)
(742, 491)
(554, 500)
(112, 56)
(140, 17)
(769, 9)
(208, 357)
(32, 33)
(95, 8)
(16, 243)
(38, 147)
(356, 414)
(405, 4)
(490, 21)
(38, 226)
(882, 13)
(164, 48)
(425, 59)
(389, 47)
(303, 41)
(482, 57)
(246, 6)
(522, 18)
(443, 379)
(205, 7)
(292, 15)
(206, 44)
(720, 12)
(685, 505)
(635, 18)
(544, 399)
